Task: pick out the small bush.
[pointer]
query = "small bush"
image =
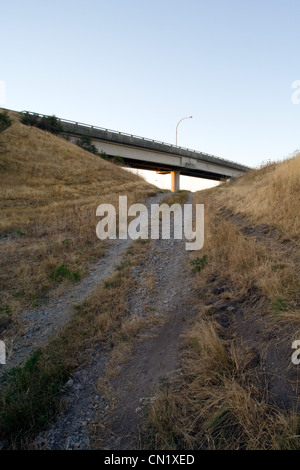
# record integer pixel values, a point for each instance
(113, 159)
(198, 264)
(85, 142)
(5, 121)
(50, 124)
(29, 119)
(46, 123)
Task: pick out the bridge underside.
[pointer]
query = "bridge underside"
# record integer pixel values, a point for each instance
(148, 154)
(167, 168)
(166, 160)
(149, 159)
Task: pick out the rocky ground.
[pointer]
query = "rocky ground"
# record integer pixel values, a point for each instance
(40, 323)
(164, 292)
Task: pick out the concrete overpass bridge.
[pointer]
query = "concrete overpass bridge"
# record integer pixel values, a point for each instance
(148, 154)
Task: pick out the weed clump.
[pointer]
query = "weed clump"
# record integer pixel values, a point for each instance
(31, 395)
(46, 123)
(85, 142)
(63, 272)
(198, 264)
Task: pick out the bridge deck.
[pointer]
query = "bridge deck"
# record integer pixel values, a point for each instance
(141, 152)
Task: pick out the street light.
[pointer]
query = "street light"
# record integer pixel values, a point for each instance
(189, 117)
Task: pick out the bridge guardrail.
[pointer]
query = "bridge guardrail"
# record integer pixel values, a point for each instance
(133, 136)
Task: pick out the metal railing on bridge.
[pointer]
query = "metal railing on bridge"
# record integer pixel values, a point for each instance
(103, 129)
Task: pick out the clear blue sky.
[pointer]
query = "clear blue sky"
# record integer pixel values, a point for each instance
(140, 66)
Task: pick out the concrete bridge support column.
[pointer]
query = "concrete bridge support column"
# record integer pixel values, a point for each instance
(175, 184)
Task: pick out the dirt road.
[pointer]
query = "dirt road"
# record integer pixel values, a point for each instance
(164, 290)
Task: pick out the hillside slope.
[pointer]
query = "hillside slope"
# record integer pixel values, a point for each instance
(49, 192)
(43, 176)
(239, 384)
(226, 315)
(270, 195)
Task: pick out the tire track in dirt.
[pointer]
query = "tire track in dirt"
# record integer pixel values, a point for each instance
(43, 322)
(269, 338)
(90, 419)
(156, 359)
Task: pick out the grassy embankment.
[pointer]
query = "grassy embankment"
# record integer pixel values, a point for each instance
(50, 190)
(32, 394)
(239, 387)
(49, 193)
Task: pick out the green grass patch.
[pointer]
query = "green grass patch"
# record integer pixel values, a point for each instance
(31, 394)
(67, 241)
(123, 265)
(33, 300)
(278, 267)
(221, 427)
(113, 283)
(198, 264)
(5, 316)
(63, 272)
(5, 233)
(19, 295)
(279, 305)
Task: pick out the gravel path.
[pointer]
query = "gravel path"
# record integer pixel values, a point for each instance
(154, 359)
(42, 322)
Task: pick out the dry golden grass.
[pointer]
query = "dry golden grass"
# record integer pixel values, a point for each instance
(49, 192)
(31, 396)
(218, 402)
(179, 197)
(270, 195)
(215, 403)
(249, 263)
(270, 264)
(45, 178)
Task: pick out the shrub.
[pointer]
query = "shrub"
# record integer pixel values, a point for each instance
(29, 119)
(50, 124)
(46, 123)
(85, 142)
(113, 159)
(5, 121)
(198, 264)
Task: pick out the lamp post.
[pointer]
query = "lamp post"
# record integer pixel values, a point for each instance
(188, 117)
(175, 174)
